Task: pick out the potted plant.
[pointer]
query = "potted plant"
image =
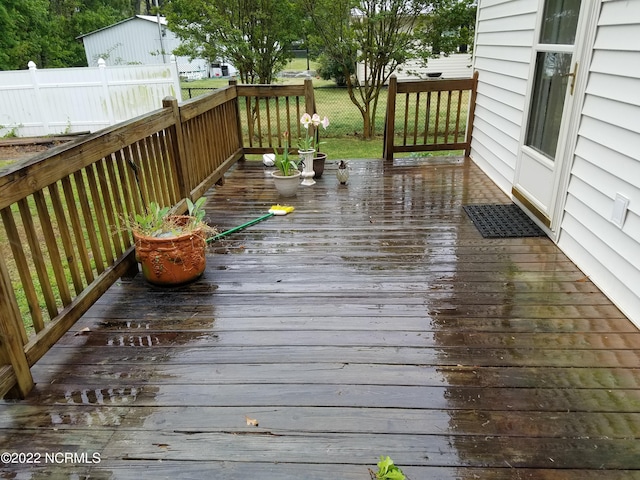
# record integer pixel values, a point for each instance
(312, 143)
(171, 248)
(287, 175)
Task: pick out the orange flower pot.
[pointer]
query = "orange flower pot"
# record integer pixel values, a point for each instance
(171, 260)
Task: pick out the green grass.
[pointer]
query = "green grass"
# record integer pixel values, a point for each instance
(300, 65)
(351, 147)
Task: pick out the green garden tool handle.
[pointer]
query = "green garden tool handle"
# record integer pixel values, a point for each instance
(239, 227)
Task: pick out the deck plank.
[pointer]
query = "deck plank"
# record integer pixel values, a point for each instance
(374, 320)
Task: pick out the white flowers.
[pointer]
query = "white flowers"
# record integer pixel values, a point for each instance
(307, 120)
(308, 143)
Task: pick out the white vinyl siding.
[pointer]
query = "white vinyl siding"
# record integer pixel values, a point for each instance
(607, 162)
(502, 54)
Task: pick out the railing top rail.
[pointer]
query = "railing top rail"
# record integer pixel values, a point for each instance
(436, 85)
(193, 107)
(270, 90)
(25, 179)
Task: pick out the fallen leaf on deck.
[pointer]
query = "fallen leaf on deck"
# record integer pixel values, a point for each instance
(251, 421)
(84, 330)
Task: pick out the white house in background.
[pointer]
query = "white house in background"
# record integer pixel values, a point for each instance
(145, 40)
(456, 65)
(557, 127)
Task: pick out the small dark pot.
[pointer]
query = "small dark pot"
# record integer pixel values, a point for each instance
(318, 164)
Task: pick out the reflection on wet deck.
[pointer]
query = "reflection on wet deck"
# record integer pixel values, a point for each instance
(374, 320)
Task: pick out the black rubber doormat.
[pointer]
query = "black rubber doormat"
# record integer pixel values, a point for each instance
(501, 221)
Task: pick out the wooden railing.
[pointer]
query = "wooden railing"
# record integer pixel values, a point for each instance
(268, 111)
(429, 115)
(64, 235)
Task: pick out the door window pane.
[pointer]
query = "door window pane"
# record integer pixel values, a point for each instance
(549, 91)
(560, 22)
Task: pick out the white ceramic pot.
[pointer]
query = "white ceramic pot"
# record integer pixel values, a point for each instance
(287, 186)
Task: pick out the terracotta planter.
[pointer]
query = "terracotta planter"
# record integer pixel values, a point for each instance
(318, 164)
(171, 260)
(287, 186)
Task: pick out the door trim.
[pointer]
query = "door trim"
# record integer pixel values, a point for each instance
(584, 56)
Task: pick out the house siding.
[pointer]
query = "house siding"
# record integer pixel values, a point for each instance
(502, 54)
(137, 41)
(131, 41)
(607, 162)
(606, 159)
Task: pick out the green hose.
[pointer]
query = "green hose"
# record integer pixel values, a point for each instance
(239, 227)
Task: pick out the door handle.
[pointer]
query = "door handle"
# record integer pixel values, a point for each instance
(573, 76)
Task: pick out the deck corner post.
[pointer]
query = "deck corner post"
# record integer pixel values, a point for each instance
(309, 103)
(471, 115)
(180, 153)
(389, 124)
(11, 346)
(233, 82)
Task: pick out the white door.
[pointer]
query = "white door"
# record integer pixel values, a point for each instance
(551, 100)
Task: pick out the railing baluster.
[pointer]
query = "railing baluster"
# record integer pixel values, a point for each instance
(436, 126)
(448, 118)
(53, 251)
(66, 238)
(415, 119)
(108, 210)
(96, 212)
(405, 123)
(427, 119)
(77, 229)
(278, 122)
(39, 260)
(87, 217)
(22, 266)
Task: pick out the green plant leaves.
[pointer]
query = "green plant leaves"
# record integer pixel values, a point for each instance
(387, 470)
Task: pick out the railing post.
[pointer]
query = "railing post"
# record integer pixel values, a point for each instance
(233, 82)
(309, 103)
(309, 100)
(11, 346)
(471, 114)
(180, 151)
(389, 125)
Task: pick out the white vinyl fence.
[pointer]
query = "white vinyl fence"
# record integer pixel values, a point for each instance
(66, 100)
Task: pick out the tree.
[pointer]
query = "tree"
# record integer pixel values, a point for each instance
(45, 31)
(22, 23)
(378, 34)
(254, 35)
(449, 27)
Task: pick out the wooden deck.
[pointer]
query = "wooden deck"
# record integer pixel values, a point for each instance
(374, 320)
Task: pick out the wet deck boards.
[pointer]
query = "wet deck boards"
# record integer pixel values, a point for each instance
(374, 320)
